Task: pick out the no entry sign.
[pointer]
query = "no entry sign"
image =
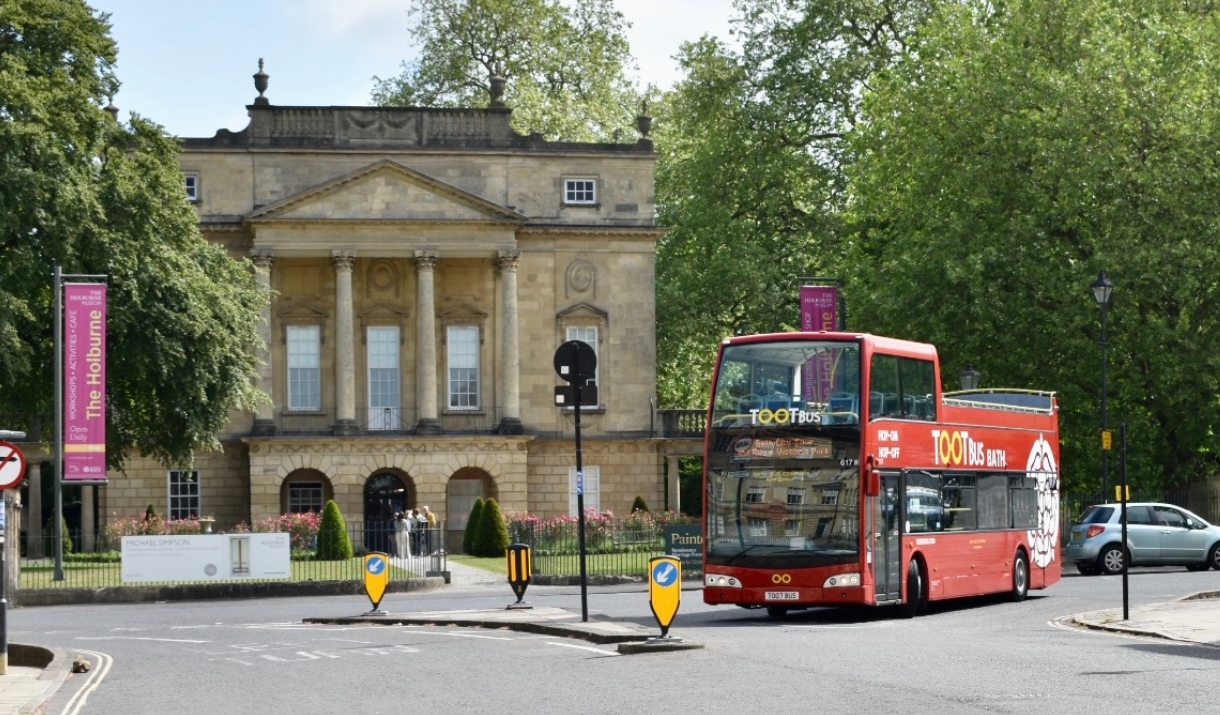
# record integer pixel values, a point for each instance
(12, 465)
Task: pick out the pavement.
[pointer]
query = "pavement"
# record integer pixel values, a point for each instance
(1193, 619)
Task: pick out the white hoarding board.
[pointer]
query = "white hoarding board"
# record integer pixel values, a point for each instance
(211, 557)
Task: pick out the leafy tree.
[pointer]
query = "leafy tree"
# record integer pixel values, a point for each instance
(565, 64)
(1019, 149)
(334, 544)
(492, 536)
(80, 191)
(751, 180)
(472, 526)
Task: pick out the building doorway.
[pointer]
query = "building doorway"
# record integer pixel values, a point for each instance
(385, 494)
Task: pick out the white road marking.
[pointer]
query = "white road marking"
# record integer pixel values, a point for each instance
(136, 638)
(599, 651)
(96, 675)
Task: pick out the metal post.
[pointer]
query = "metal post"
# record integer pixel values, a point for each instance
(1122, 435)
(59, 427)
(1105, 453)
(3, 585)
(580, 509)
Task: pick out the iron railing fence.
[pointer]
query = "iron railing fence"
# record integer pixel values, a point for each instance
(1204, 502)
(611, 549)
(101, 566)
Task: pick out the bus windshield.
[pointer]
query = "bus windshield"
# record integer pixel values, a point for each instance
(783, 455)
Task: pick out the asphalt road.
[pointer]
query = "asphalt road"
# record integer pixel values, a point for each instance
(970, 656)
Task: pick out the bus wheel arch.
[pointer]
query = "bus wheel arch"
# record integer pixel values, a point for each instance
(1020, 576)
(915, 599)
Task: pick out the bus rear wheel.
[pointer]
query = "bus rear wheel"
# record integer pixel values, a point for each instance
(1020, 578)
(914, 603)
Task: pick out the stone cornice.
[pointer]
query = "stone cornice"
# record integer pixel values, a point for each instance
(588, 230)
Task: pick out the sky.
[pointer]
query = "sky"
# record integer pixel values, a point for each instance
(189, 66)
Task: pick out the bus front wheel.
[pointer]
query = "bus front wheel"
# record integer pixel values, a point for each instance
(913, 604)
(1020, 578)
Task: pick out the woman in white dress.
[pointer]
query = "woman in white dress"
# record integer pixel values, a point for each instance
(402, 535)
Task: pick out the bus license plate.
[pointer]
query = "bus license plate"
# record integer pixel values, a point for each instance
(782, 595)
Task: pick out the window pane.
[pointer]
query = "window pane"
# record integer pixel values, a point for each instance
(183, 495)
(384, 378)
(304, 497)
(463, 367)
(304, 367)
(588, 334)
(592, 489)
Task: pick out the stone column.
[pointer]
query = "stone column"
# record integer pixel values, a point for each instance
(345, 356)
(87, 530)
(510, 356)
(264, 421)
(425, 342)
(34, 546)
(675, 483)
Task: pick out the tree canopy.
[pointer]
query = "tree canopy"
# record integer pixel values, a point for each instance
(566, 65)
(80, 191)
(751, 179)
(1017, 150)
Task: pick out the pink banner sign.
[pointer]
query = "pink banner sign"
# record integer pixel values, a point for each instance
(819, 311)
(84, 382)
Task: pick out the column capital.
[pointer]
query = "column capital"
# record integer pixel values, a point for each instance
(262, 258)
(507, 260)
(344, 258)
(426, 259)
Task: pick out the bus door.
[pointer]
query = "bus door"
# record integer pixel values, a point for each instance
(888, 516)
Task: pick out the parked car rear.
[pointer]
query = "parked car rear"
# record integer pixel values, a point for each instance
(1157, 535)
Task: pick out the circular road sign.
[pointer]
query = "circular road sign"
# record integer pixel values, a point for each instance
(12, 465)
(576, 362)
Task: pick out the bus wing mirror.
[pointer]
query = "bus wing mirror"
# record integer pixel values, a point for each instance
(872, 483)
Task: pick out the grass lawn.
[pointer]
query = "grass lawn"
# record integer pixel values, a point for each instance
(629, 564)
(99, 575)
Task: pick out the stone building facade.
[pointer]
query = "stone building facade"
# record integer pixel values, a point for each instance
(424, 265)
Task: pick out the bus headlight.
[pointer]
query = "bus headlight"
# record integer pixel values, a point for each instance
(722, 581)
(843, 579)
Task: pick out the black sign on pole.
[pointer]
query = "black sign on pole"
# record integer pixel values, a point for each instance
(576, 363)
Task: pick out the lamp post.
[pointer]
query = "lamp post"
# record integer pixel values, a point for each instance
(970, 377)
(1103, 288)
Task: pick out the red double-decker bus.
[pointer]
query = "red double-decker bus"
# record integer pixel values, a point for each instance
(837, 471)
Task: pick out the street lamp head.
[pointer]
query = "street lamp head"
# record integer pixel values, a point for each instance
(970, 377)
(1102, 289)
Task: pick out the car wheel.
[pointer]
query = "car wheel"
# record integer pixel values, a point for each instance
(1111, 559)
(1020, 578)
(913, 604)
(1213, 557)
(1087, 569)
(777, 611)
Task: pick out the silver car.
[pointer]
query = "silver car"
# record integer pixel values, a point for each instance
(1157, 535)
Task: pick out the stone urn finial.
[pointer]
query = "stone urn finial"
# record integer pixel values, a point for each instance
(497, 91)
(112, 110)
(644, 121)
(260, 83)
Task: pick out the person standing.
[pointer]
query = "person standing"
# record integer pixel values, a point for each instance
(418, 525)
(430, 534)
(402, 535)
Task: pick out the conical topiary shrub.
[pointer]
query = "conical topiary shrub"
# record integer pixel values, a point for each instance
(472, 527)
(639, 505)
(333, 542)
(491, 540)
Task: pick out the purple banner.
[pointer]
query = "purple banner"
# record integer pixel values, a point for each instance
(84, 382)
(819, 311)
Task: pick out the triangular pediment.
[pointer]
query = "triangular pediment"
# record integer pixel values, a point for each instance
(463, 313)
(386, 191)
(582, 311)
